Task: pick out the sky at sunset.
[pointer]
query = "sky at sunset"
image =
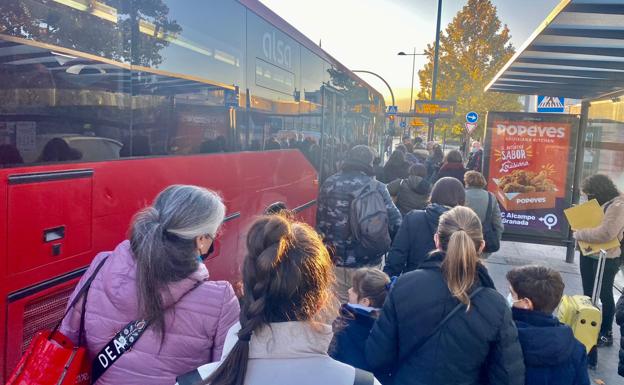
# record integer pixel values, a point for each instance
(368, 34)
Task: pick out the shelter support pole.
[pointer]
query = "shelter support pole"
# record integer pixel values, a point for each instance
(578, 170)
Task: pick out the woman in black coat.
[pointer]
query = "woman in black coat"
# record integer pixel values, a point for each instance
(396, 167)
(415, 336)
(453, 166)
(414, 240)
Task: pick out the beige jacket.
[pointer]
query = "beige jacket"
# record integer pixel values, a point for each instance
(289, 353)
(612, 226)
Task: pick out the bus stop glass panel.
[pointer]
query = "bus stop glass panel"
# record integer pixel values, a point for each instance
(604, 141)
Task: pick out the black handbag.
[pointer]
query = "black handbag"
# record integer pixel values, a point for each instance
(490, 236)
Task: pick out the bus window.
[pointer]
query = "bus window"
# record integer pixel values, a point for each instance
(57, 105)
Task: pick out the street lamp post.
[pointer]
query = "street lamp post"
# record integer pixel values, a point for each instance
(435, 69)
(413, 55)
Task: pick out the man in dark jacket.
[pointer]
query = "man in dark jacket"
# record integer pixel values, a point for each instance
(552, 355)
(414, 241)
(619, 318)
(334, 206)
(475, 161)
(411, 193)
(479, 346)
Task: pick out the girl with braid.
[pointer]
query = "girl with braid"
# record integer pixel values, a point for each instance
(284, 330)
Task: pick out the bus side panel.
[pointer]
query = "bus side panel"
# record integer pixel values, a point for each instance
(3, 267)
(247, 181)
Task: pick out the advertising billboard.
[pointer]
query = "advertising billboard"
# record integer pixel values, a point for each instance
(529, 165)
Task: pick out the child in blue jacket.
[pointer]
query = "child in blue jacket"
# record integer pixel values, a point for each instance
(352, 327)
(552, 356)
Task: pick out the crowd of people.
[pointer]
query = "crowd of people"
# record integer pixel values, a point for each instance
(328, 305)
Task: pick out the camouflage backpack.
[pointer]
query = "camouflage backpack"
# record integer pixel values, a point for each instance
(368, 219)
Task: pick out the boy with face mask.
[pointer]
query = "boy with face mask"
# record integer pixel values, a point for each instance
(551, 353)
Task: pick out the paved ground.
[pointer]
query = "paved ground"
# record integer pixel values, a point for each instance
(516, 254)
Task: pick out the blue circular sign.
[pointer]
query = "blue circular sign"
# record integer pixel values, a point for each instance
(472, 117)
(403, 124)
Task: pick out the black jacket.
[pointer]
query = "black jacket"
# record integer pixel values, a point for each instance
(414, 240)
(619, 318)
(351, 330)
(475, 347)
(453, 170)
(476, 161)
(411, 193)
(552, 355)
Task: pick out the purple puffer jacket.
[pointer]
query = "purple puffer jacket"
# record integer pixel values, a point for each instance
(195, 329)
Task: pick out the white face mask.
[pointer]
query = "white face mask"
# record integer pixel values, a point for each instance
(510, 300)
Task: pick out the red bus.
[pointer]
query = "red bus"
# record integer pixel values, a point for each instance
(103, 103)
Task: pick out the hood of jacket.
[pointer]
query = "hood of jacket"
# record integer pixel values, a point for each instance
(435, 259)
(545, 341)
(357, 315)
(418, 184)
(433, 212)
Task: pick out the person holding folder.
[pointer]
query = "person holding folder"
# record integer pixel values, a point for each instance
(602, 188)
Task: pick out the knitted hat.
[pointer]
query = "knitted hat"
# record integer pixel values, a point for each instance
(360, 155)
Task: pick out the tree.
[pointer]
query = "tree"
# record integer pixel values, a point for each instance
(473, 48)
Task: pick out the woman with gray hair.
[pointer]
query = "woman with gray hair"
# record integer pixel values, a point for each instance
(158, 276)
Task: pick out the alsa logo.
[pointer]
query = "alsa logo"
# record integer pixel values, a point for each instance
(533, 131)
(276, 50)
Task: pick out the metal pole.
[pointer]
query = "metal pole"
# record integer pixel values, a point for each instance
(578, 170)
(436, 58)
(411, 106)
(382, 79)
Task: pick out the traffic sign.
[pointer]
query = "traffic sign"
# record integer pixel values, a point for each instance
(434, 108)
(471, 127)
(392, 110)
(416, 122)
(472, 117)
(403, 124)
(550, 104)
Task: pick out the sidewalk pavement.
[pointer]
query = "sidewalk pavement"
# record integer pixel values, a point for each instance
(514, 254)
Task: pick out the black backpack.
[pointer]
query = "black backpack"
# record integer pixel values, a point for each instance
(368, 220)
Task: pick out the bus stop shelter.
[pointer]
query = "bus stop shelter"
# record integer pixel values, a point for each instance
(578, 52)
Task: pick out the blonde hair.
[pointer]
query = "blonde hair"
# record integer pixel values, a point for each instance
(474, 179)
(460, 237)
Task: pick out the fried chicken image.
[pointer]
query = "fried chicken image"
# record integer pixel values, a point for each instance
(521, 181)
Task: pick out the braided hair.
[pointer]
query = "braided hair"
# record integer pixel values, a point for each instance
(287, 276)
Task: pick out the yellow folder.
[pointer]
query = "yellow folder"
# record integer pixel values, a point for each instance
(587, 216)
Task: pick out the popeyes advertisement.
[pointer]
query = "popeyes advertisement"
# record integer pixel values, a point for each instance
(529, 165)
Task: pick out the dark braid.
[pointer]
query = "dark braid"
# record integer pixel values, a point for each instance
(287, 276)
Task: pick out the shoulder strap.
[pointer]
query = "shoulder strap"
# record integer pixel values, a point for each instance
(124, 341)
(442, 323)
(488, 213)
(81, 293)
(362, 377)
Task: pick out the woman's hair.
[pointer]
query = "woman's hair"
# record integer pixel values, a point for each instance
(460, 234)
(371, 283)
(448, 191)
(474, 179)
(454, 156)
(397, 158)
(601, 187)
(163, 241)
(287, 276)
(436, 152)
(418, 170)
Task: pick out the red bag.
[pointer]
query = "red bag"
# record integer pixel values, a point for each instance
(52, 358)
